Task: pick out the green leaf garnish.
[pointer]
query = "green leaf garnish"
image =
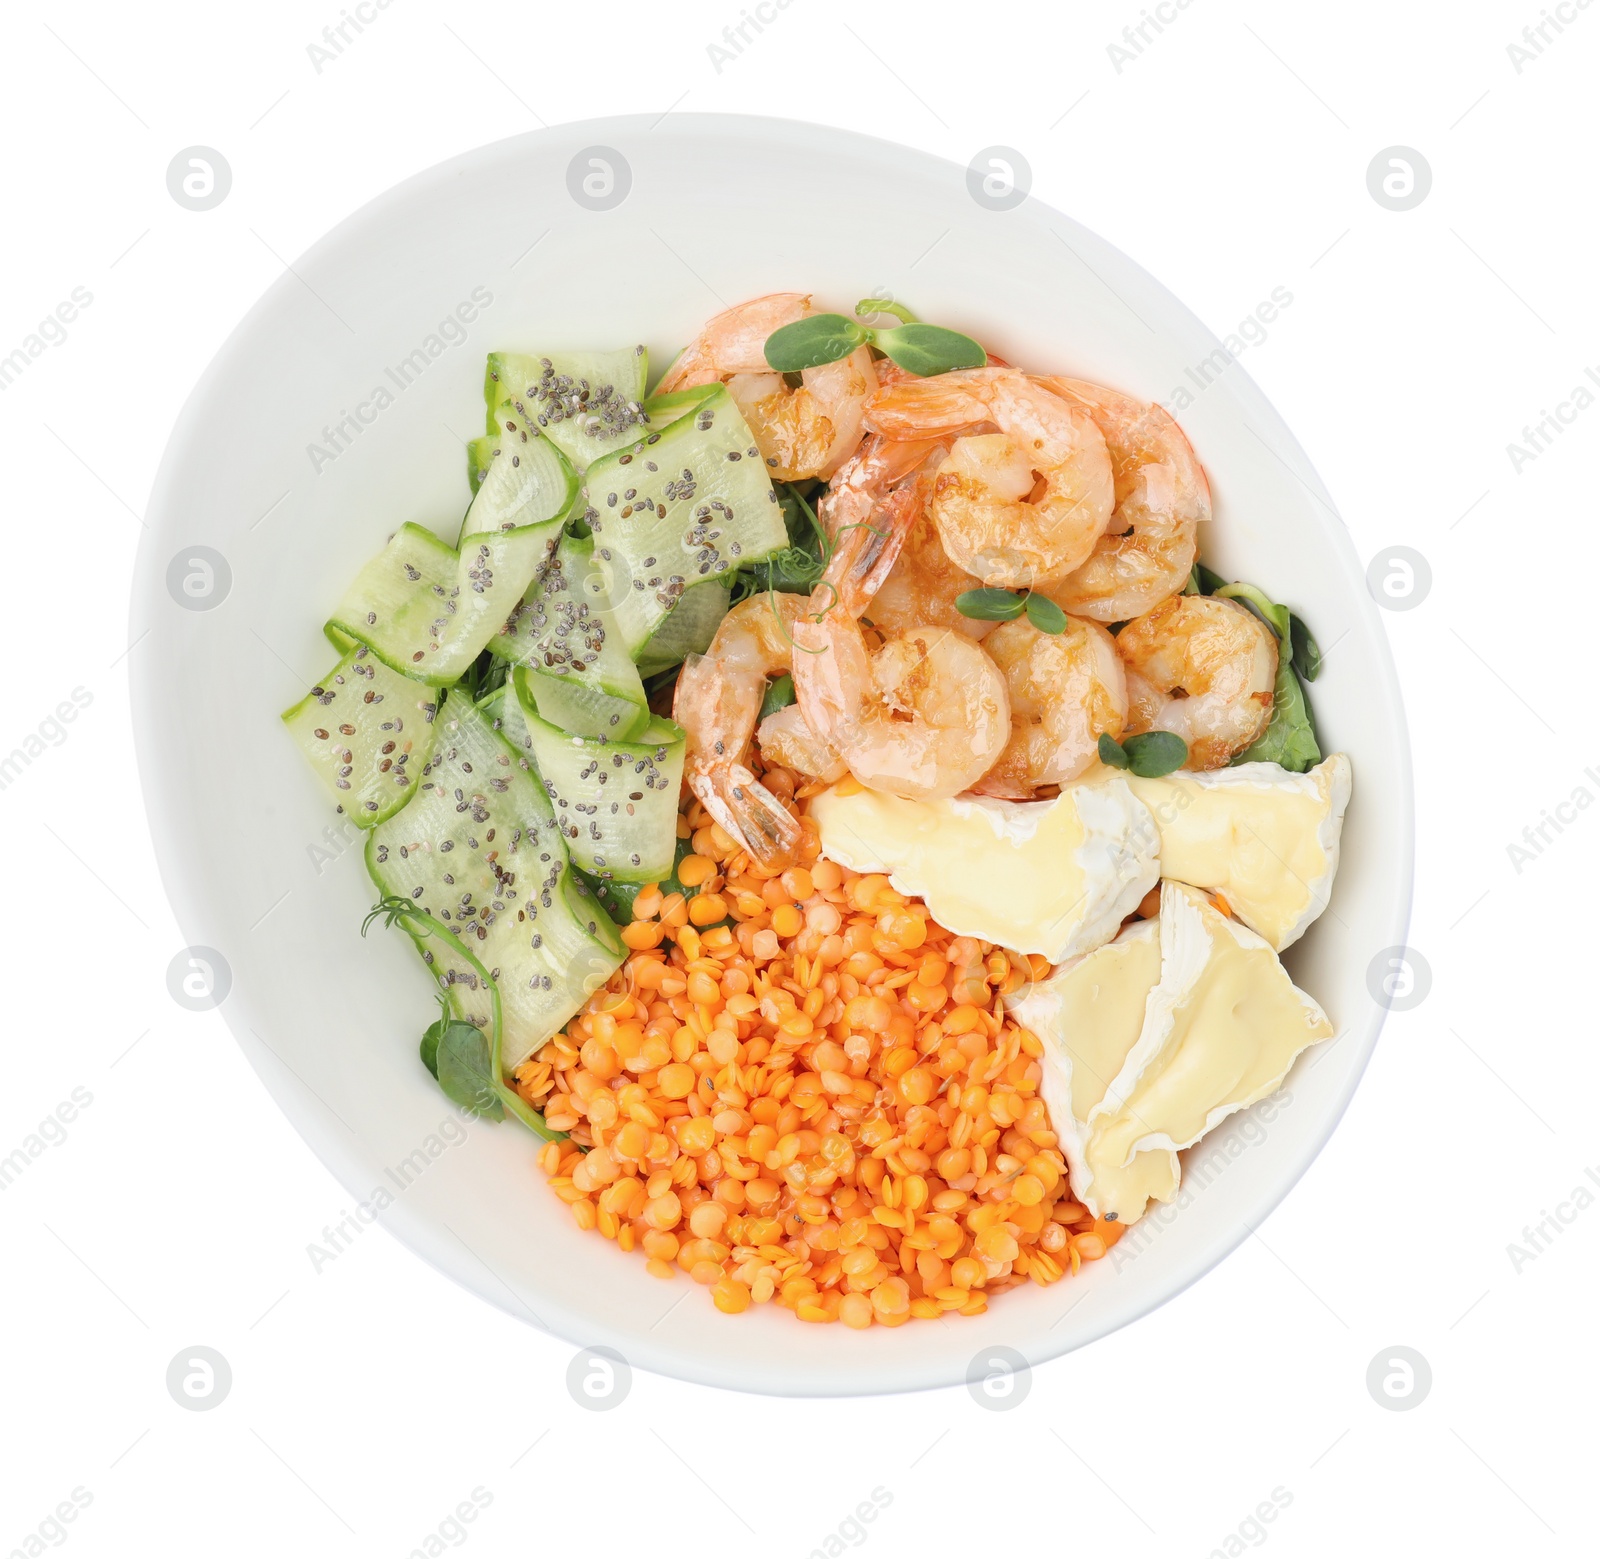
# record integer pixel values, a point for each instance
(813, 341)
(1111, 752)
(1290, 739)
(1154, 753)
(390, 908)
(886, 306)
(916, 347)
(1044, 614)
(467, 1072)
(1149, 755)
(990, 605)
(429, 1048)
(780, 694)
(1307, 657)
(929, 349)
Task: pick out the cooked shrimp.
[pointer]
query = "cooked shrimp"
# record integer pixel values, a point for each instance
(922, 588)
(807, 432)
(717, 702)
(785, 738)
(1066, 690)
(1021, 507)
(872, 494)
(1161, 495)
(1202, 668)
(922, 717)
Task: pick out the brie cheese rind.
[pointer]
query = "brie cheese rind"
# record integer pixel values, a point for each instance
(1051, 877)
(1222, 1027)
(1088, 1015)
(1267, 840)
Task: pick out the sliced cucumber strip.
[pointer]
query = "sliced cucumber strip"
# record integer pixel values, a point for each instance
(548, 971)
(524, 478)
(368, 732)
(692, 505)
(583, 679)
(688, 630)
(427, 610)
(616, 803)
(479, 850)
(503, 711)
(588, 403)
(463, 981)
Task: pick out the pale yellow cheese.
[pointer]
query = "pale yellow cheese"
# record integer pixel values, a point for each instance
(1088, 1014)
(1265, 839)
(1222, 1027)
(1054, 877)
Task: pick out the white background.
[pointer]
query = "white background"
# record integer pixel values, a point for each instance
(1229, 156)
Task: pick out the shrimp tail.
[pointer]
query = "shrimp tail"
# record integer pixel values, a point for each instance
(866, 551)
(747, 811)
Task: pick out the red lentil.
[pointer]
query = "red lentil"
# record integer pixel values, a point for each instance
(821, 1105)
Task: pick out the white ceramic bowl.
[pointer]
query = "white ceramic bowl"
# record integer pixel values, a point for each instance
(493, 249)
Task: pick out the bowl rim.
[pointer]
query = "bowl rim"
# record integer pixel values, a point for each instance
(183, 879)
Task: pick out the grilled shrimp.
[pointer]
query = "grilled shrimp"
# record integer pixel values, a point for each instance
(785, 738)
(921, 589)
(1067, 689)
(1022, 507)
(1161, 497)
(922, 716)
(717, 702)
(801, 433)
(1203, 668)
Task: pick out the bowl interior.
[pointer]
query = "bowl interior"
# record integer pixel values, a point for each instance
(338, 409)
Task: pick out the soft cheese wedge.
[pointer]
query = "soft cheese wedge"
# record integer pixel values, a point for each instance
(1089, 1015)
(1222, 1027)
(1265, 839)
(1053, 877)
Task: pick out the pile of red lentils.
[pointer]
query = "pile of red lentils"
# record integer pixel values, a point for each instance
(801, 1089)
